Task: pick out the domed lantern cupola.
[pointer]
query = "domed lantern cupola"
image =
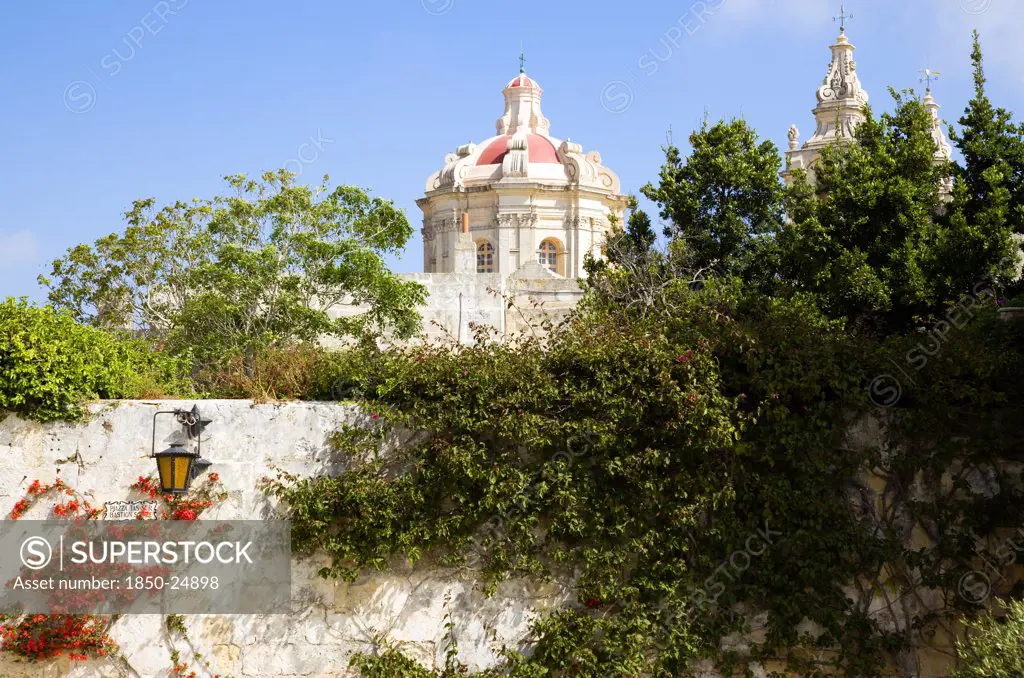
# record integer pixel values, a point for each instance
(522, 106)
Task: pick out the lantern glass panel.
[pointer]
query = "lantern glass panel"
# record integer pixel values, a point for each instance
(175, 467)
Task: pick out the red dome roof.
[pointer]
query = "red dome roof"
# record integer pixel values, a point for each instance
(523, 80)
(540, 150)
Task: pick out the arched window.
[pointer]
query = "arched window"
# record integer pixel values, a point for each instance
(484, 257)
(548, 255)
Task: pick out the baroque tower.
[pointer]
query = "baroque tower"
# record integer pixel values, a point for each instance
(840, 109)
(841, 101)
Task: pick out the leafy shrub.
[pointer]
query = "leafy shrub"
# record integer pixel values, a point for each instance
(282, 372)
(50, 365)
(995, 648)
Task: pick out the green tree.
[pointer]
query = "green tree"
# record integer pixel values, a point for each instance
(988, 200)
(235, 274)
(995, 648)
(724, 198)
(859, 235)
(638, 227)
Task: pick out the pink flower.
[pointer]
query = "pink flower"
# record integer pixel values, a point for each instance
(686, 357)
(375, 416)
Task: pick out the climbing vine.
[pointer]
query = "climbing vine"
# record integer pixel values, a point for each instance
(689, 470)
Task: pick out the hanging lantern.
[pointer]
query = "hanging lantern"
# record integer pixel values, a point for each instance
(177, 465)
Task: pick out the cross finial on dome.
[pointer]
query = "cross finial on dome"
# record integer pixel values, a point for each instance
(843, 16)
(929, 77)
(522, 59)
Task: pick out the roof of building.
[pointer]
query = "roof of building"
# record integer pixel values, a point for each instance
(540, 149)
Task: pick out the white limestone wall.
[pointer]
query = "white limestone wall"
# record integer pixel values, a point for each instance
(458, 301)
(328, 621)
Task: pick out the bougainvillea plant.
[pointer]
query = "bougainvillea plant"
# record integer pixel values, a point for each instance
(86, 636)
(43, 636)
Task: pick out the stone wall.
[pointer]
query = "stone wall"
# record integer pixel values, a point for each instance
(456, 302)
(328, 620)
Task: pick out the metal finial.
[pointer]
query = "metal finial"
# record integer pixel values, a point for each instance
(843, 16)
(929, 77)
(522, 59)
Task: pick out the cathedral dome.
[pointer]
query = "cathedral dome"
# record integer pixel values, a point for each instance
(519, 203)
(523, 148)
(541, 149)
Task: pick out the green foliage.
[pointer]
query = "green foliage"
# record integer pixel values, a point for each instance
(638, 228)
(175, 623)
(684, 464)
(860, 235)
(988, 200)
(992, 145)
(996, 646)
(873, 238)
(392, 663)
(644, 453)
(50, 364)
(232, 275)
(723, 198)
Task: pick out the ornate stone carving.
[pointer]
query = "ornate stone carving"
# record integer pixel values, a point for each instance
(840, 109)
(447, 177)
(578, 168)
(943, 149)
(841, 81)
(444, 225)
(517, 159)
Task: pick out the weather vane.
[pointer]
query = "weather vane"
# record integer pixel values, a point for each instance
(929, 77)
(843, 16)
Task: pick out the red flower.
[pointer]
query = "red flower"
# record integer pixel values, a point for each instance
(686, 357)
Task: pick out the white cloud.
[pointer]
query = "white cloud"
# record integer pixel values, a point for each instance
(18, 248)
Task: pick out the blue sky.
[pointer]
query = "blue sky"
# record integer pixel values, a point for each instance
(110, 102)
